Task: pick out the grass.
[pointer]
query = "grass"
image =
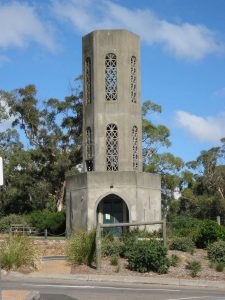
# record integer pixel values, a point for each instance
(18, 251)
(81, 247)
(194, 266)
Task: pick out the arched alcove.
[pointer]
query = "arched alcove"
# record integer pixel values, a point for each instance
(112, 209)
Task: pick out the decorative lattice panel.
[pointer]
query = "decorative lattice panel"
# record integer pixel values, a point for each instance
(89, 143)
(112, 154)
(110, 77)
(135, 147)
(133, 79)
(88, 80)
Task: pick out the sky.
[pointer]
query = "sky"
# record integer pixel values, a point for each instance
(182, 57)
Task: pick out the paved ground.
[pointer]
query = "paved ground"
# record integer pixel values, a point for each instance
(14, 295)
(66, 286)
(94, 291)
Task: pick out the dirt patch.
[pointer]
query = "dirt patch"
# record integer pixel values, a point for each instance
(55, 267)
(51, 247)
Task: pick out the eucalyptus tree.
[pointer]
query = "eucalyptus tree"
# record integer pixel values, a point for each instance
(53, 139)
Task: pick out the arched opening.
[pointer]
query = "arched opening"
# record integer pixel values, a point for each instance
(112, 209)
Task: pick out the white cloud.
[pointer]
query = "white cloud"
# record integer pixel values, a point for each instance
(20, 25)
(210, 129)
(182, 40)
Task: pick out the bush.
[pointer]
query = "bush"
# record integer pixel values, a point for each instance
(209, 232)
(183, 244)
(18, 251)
(183, 226)
(145, 256)
(194, 266)
(216, 252)
(114, 261)
(5, 222)
(219, 267)
(111, 246)
(174, 260)
(81, 247)
(54, 222)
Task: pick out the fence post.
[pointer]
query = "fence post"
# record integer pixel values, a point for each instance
(98, 247)
(164, 232)
(46, 233)
(218, 219)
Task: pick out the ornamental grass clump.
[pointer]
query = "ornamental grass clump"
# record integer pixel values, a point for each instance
(194, 266)
(81, 248)
(174, 260)
(18, 251)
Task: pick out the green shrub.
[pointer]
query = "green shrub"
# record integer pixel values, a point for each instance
(183, 226)
(219, 266)
(216, 252)
(194, 266)
(145, 256)
(54, 222)
(209, 232)
(111, 246)
(114, 261)
(174, 260)
(118, 268)
(183, 244)
(7, 221)
(81, 247)
(127, 243)
(18, 251)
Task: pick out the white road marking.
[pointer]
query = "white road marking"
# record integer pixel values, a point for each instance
(97, 287)
(188, 298)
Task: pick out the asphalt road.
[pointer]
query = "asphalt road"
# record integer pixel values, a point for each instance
(92, 291)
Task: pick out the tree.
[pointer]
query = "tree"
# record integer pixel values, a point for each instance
(210, 167)
(156, 137)
(202, 190)
(53, 134)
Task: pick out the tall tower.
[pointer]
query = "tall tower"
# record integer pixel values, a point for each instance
(112, 187)
(112, 127)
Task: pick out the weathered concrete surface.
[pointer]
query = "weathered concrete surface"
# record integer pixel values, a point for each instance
(71, 279)
(141, 192)
(122, 112)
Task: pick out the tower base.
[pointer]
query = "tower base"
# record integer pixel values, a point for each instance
(112, 197)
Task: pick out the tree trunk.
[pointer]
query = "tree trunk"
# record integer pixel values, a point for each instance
(60, 196)
(220, 191)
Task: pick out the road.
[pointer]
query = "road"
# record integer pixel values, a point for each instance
(101, 291)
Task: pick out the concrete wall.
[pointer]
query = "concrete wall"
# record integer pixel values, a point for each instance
(123, 112)
(140, 191)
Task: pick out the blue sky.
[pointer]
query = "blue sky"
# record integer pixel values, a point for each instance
(182, 56)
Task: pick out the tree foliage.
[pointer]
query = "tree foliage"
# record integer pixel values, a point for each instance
(36, 168)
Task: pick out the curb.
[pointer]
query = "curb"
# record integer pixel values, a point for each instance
(33, 296)
(58, 278)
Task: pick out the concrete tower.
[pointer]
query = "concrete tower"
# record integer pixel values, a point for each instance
(112, 187)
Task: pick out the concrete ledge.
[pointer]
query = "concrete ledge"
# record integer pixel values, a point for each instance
(33, 296)
(70, 279)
